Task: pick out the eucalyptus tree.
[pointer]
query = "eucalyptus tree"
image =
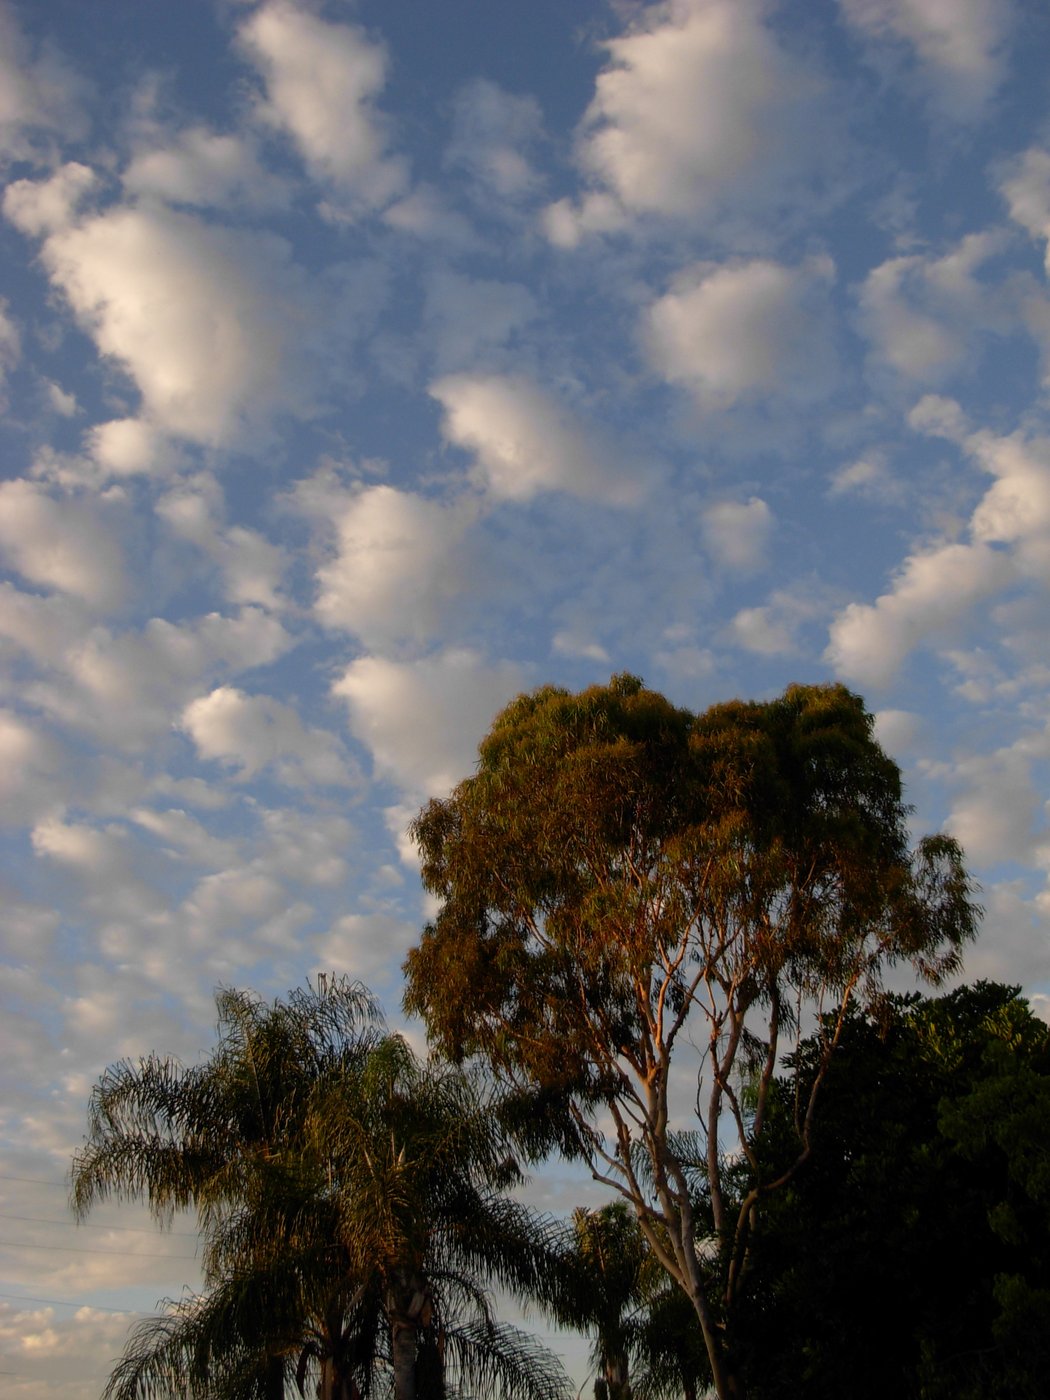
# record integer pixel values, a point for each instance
(631, 894)
(352, 1206)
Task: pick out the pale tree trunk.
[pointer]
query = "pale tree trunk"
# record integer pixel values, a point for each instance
(410, 1308)
(403, 1356)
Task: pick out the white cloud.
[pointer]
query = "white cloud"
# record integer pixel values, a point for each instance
(423, 720)
(936, 587)
(208, 322)
(206, 169)
(365, 946)
(106, 862)
(63, 403)
(470, 318)
(745, 329)
(62, 542)
(771, 629)
(400, 560)
(34, 770)
(737, 533)
(493, 135)
(996, 816)
(10, 342)
(961, 41)
(41, 206)
(127, 447)
(897, 731)
(922, 313)
(231, 898)
(525, 442)
(868, 477)
(1027, 192)
(932, 593)
(1014, 944)
(129, 688)
(321, 82)
(184, 836)
(252, 567)
(306, 848)
(250, 733)
(426, 214)
(697, 109)
(41, 96)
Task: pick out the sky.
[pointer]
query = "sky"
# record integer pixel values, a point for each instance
(363, 364)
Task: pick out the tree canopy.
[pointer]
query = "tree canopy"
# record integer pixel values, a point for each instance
(627, 888)
(353, 1206)
(911, 1256)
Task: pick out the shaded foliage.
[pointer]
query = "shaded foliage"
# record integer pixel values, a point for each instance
(911, 1255)
(352, 1208)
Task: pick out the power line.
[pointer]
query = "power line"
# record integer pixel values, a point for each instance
(92, 1225)
(114, 1253)
(65, 1303)
(34, 1180)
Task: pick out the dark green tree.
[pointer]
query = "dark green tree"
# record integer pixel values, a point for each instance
(352, 1205)
(911, 1255)
(627, 888)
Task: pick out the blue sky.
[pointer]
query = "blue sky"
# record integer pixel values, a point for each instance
(364, 364)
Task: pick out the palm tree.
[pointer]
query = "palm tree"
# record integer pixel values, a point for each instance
(647, 1345)
(351, 1205)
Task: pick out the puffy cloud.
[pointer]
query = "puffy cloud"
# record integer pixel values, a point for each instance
(1014, 945)
(34, 770)
(184, 836)
(209, 322)
(63, 542)
(206, 169)
(937, 587)
(697, 109)
(364, 945)
(771, 629)
(231, 898)
(425, 213)
(471, 317)
(128, 688)
(961, 42)
(744, 329)
(922, 313)
(996, 815)
(868, 477)
(250, 733)
(493, 134)
(106, 862)
(321, 82)
(525, 442)
(64, 404)
(423, 720)
(41, 96)
(897, 730)
(127, 447)
(737, 533)
(1027, 192)
(933, 591)
(41, 206)
(10, 342)
(401, 560)
(252, 567)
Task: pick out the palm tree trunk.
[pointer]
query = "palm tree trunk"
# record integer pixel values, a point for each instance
(403, 1357)
(410, 1308)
